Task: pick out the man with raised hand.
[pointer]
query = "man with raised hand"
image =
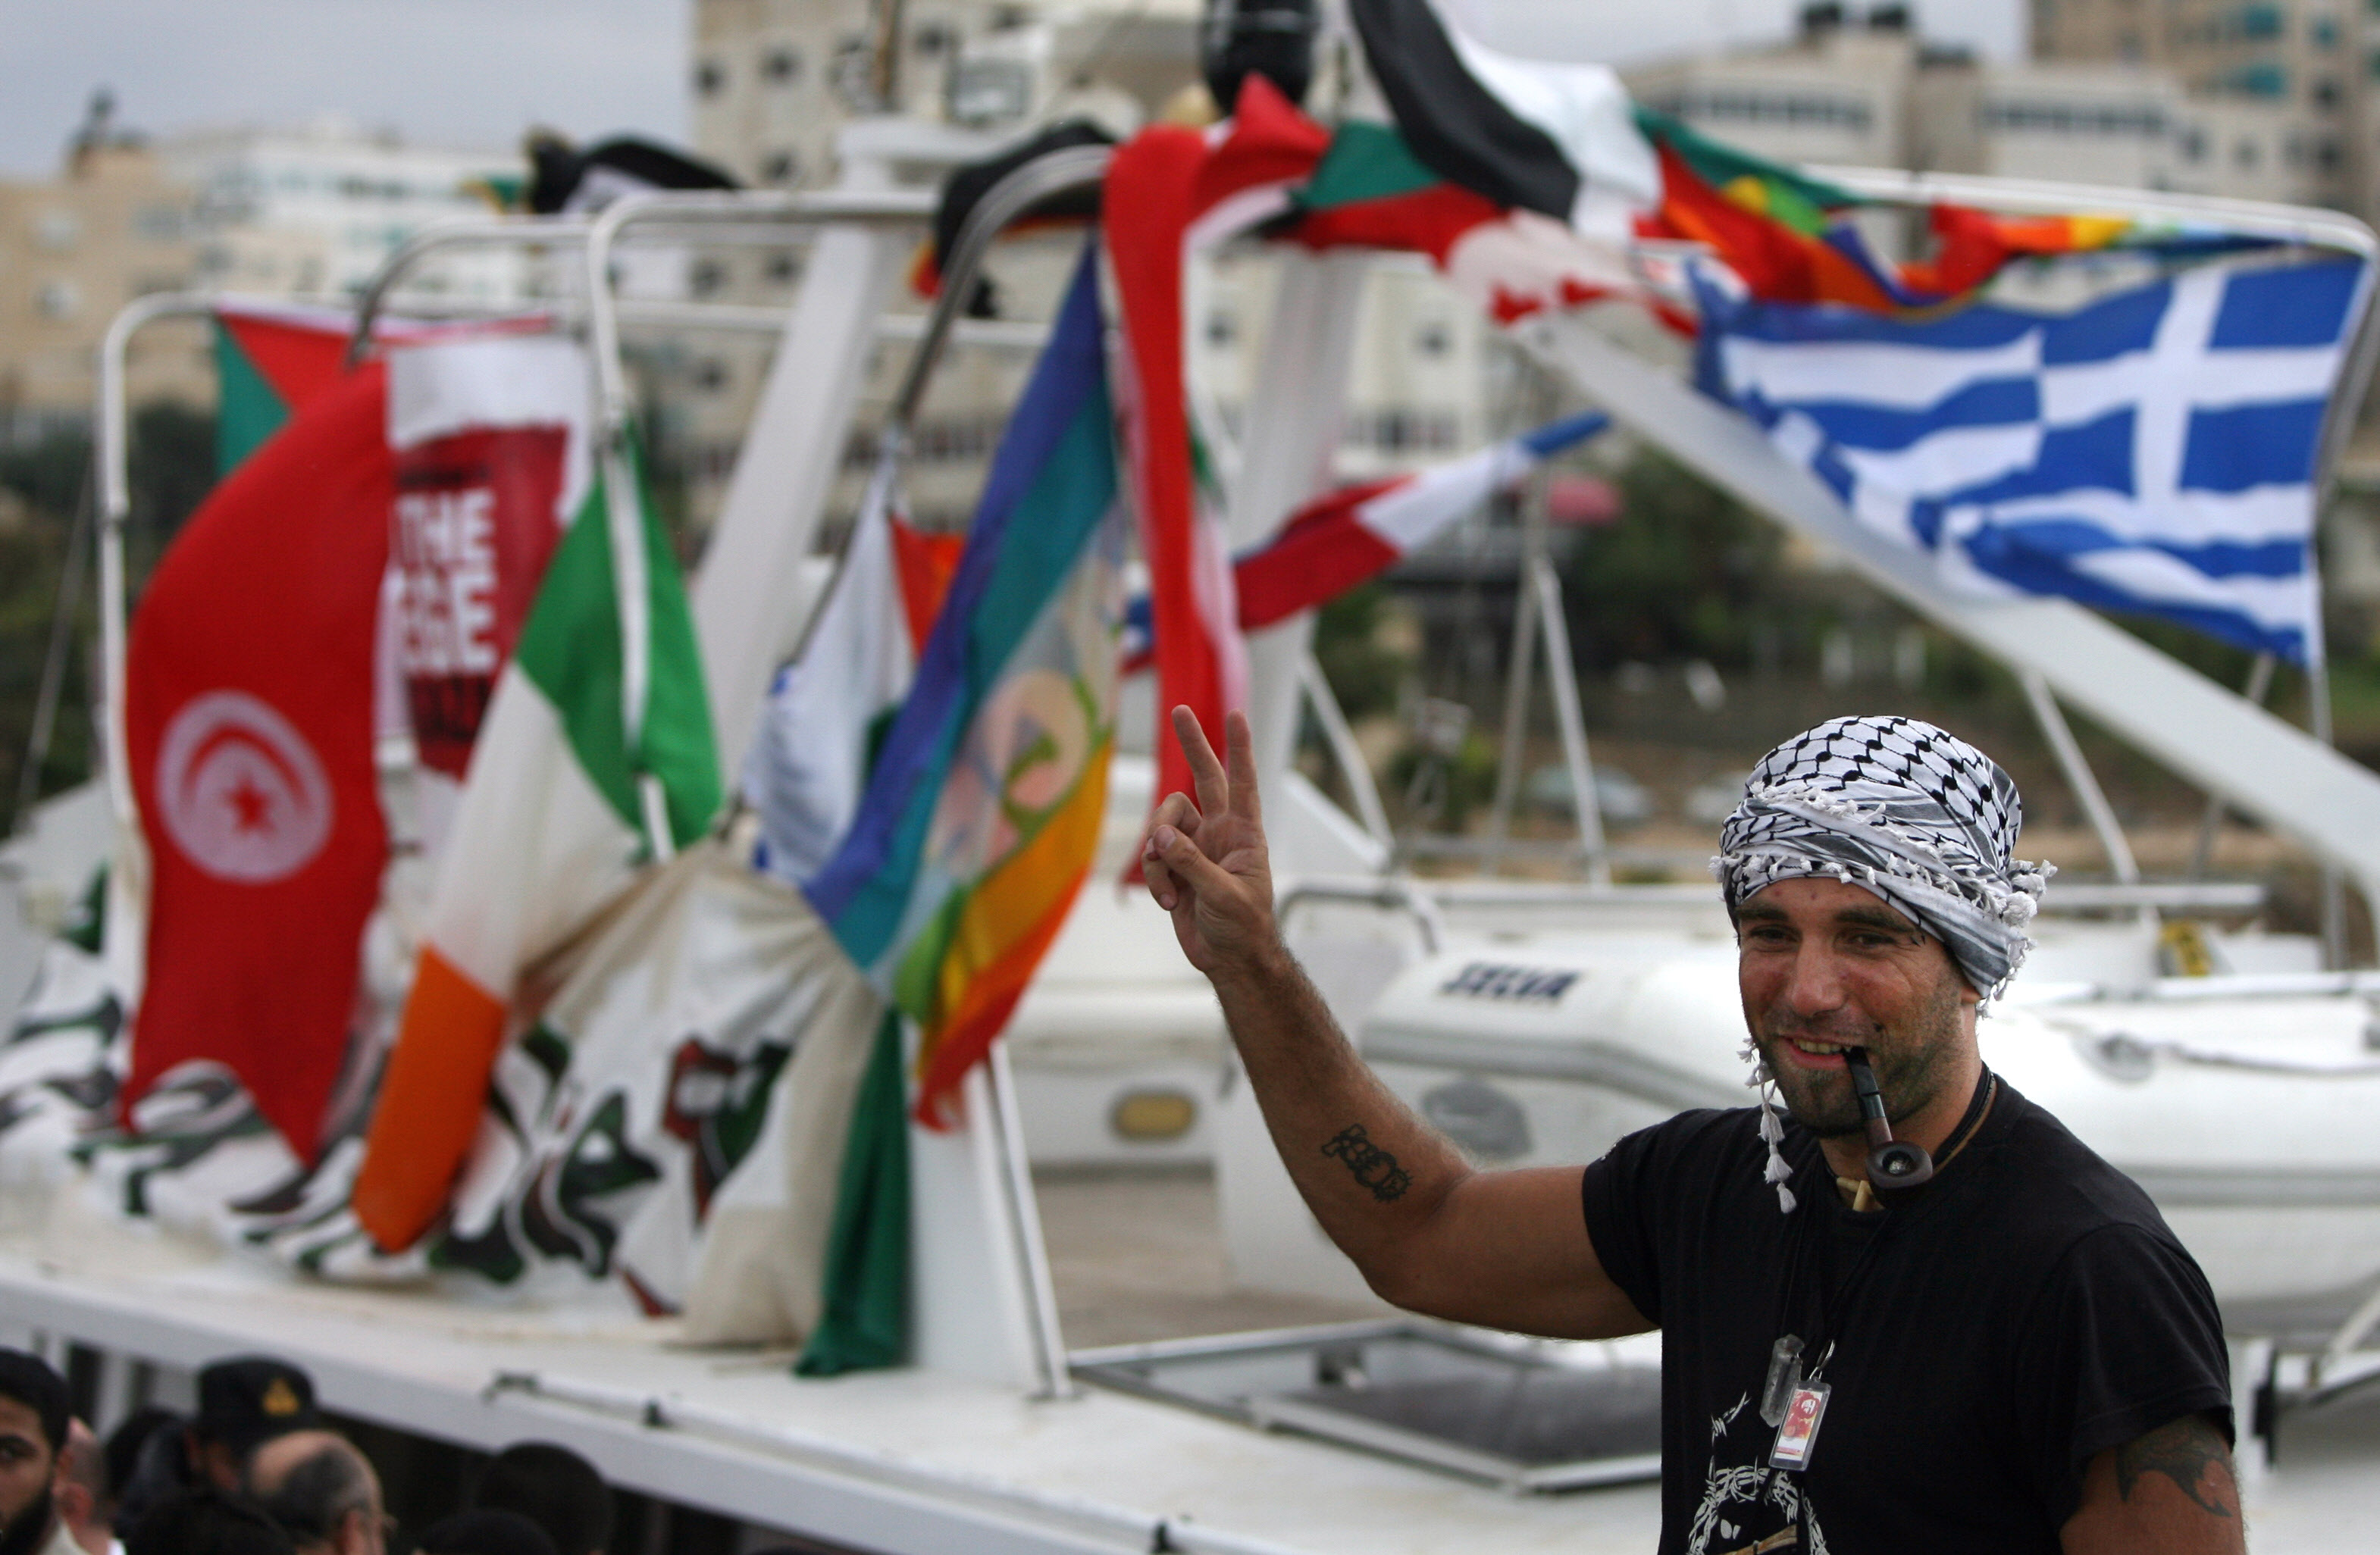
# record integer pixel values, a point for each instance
(2015, 1356)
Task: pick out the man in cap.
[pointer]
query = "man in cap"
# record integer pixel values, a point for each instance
(2017, 1355)
(33, 1416)
(244, 1402)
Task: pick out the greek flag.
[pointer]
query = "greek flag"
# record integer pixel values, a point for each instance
(2151, 451)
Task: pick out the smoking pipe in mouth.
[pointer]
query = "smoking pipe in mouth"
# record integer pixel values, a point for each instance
(1891, 1163)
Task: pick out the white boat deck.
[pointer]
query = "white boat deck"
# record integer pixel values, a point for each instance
(911, 1461)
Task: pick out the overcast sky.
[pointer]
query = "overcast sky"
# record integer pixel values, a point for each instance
(475, 73)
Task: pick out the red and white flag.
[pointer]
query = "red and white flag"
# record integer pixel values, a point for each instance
(249, 717)
(1349, 536)
(1172, 189)
(1341, 540)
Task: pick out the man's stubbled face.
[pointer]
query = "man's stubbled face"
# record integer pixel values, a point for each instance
(1822, 966)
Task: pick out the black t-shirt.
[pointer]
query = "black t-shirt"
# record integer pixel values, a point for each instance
(1983, 1337)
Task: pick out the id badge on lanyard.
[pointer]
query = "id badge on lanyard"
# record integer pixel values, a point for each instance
(1797, 1437)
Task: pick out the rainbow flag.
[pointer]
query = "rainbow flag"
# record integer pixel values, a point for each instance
(983, 808)
(1789, 237)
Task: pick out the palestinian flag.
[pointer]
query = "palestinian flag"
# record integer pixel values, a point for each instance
(1553, 146)
(564, 178)
(1371, 189)
(1529, 135)
(596, 757)
(272, 358)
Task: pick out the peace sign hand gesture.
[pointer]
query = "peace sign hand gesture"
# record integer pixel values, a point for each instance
(1204, 860)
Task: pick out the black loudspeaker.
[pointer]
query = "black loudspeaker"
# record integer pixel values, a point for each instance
(1269, 38)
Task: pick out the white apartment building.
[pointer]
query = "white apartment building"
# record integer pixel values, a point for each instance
(2307, 60)
(2136, 126)
(313, 212)
(74, 249)
(309, 213)
(1837, 95)
(1870, 92)
(773, 80)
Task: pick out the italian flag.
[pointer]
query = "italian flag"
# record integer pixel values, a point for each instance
(596, 758)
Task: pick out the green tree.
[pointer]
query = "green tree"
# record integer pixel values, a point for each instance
(172, 468)
(1679, 575)
(1364, 674)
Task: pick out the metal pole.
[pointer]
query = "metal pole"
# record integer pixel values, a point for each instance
(1024, 1215)
(1350, 755)
(2202, 853)
(524, 231)
(2333, 880)
(2079, 777)
(884, 62)
(615, 458)
(1562, 675)
(2285, 224)
(111, 455)
(1514, 740)
(54, 664)
(1061, 172)
(1294, 415)
(708, 209)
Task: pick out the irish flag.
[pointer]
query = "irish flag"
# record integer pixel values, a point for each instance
(595, 757)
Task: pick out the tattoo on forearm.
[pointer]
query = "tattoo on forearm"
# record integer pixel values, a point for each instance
(1373, 1166)
(2190, 1452)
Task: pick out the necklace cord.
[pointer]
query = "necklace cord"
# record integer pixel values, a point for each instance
(1821, 1344)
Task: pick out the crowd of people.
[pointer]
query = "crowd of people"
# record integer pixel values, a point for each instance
(256, 1470)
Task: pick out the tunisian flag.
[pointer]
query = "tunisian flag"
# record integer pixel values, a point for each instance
(249, 712)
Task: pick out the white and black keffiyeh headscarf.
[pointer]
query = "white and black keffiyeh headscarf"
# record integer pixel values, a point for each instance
(1912, 813)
